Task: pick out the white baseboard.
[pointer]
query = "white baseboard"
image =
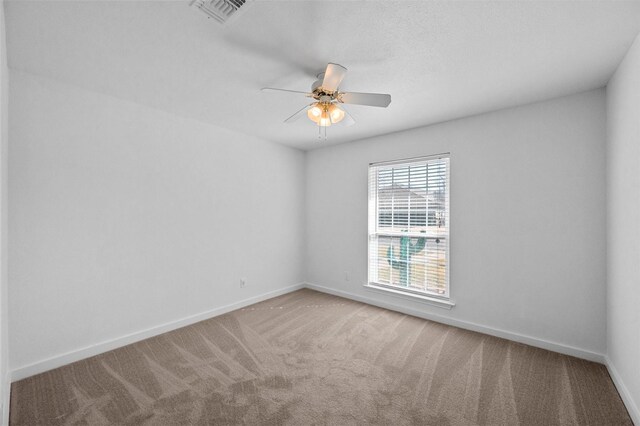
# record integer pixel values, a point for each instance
(89, 351)
(528, 340)
(632, 408)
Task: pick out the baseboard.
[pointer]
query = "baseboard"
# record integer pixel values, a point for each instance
(89, 351)
(528, 340)
(632, 408)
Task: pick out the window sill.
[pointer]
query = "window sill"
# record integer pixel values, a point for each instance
(434, 301)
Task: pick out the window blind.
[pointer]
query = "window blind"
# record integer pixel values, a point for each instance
(409, 225)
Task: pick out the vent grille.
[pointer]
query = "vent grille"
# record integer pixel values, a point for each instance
(220, 10)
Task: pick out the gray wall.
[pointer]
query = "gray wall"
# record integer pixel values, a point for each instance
(623, 227)
(123, 218)
(4, 141)
(527, 219)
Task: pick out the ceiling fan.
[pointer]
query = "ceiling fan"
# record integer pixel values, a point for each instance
(326, 108)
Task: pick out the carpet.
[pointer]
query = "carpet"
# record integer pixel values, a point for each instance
(311, 358)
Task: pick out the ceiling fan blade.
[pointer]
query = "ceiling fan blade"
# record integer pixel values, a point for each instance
(297, 114)
(273, 89)
(347, 120)
(370, 99)
(333, 76)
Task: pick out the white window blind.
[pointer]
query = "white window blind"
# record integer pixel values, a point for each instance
(409, 225)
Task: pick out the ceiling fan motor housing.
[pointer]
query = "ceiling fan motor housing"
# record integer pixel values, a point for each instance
(318, 91)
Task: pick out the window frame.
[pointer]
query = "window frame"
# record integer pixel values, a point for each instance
(437, 299)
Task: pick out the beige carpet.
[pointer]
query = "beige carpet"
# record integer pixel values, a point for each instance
(310, 358)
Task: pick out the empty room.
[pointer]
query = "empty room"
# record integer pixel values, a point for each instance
(288, 212)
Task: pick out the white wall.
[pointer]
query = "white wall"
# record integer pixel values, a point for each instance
(527, 219)
(623, 227)
(123, 218)
(4, 140)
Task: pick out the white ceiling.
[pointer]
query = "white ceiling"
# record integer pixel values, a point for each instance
(438, 60)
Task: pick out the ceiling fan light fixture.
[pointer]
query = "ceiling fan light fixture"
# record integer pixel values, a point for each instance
(315, 112)
(325, 119)
(320, 113)
(336, 113)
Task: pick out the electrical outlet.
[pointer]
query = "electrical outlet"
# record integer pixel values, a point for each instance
(243, 282)
(346, 275)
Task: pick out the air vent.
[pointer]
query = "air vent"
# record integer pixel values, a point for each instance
(220, 10)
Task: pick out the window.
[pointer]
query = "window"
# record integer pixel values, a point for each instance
(409, 226)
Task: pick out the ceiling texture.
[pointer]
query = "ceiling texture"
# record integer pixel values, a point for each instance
(438, 60)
